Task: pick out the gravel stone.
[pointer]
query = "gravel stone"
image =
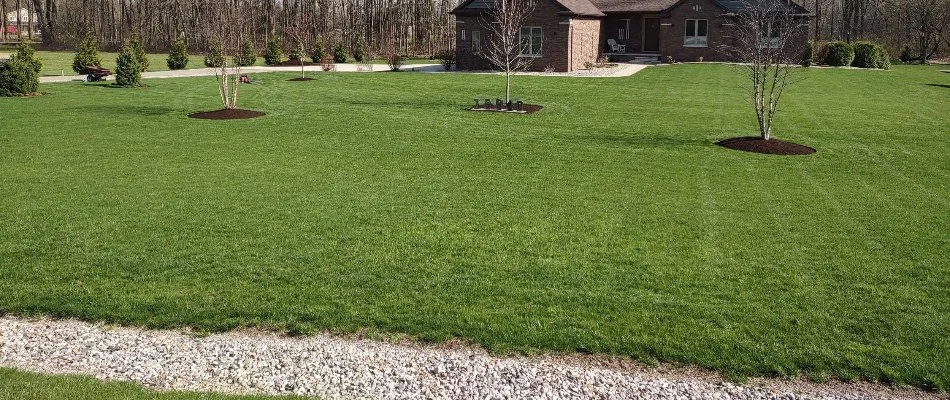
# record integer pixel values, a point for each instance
(345, 368)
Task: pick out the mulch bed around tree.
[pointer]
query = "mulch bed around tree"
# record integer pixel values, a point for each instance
(528, 109)
(227, 114)
(756, 144)
(299, 79)
(291, 63)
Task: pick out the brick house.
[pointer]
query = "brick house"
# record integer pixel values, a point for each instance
(566, 34)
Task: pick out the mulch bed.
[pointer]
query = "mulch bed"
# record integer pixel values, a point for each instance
(290, 63)
(227, 114)
(528, 109)
(773, 146)
(299, 79)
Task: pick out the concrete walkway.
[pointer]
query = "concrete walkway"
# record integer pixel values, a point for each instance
(620, 70)
(253, 70)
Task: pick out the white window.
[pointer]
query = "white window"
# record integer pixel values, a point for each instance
(531, 37)
(476, 42)
(623, 32)
(463, 35)
(770, 35)
(697, 33)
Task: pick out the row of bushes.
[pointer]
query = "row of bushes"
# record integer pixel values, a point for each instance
(842, 54)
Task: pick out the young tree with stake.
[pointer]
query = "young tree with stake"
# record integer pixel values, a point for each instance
(505, 49)
(763, 40)
(227, 28)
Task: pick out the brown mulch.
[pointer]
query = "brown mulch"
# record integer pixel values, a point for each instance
(773, 146)
(290, 63)
(299, 79)
(528, 109)
(227, 114)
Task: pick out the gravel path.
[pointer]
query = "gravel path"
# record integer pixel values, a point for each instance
(342, 368)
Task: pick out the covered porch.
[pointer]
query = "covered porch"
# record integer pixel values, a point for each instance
(631, 35)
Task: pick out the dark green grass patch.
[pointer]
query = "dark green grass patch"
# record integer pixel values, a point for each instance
(608, 222)
(16, 385)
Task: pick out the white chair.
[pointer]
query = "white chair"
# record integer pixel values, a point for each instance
(616, 47)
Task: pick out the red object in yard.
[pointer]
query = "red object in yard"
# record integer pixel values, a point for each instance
(11, 29)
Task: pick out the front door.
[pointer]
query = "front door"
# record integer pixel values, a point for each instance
(651, 34)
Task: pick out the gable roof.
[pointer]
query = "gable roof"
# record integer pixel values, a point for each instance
(634, 5)
(657, 6)
(583, 8)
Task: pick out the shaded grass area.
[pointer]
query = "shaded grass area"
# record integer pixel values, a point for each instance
(18, 385)
(609, 222)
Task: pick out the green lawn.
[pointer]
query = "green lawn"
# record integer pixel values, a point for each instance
(16, 385)
(57, 63)
(606, 223)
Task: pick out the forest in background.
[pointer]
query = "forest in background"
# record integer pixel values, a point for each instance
(416, 27)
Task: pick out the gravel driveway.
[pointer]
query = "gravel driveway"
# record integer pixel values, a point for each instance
(344, 368)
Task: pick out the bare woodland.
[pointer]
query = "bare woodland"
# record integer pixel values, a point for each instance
(419, 27)
(411, 26)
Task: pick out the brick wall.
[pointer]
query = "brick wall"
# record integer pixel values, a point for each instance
(673, 32)
(554, 45)
(585, 42)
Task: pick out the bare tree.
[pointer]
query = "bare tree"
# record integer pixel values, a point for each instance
(505, 46)
(226, 25)
(762, 40)
(927, 20)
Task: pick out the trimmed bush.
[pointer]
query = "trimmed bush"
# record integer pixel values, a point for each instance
(359, 52)
(446, 58)
(128, 71)
(214, 57)
(809, 56)
(395, 61)
(870, 55)
(905, 55)
(248, 56)
(18, 77)
(273, 54)
(339, 53)
(178, 56)
(139, 51)
(26, 53)
(319, 51)
(840, 54)
(297, 53)
(87, 55)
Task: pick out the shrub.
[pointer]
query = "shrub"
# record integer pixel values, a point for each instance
(820, 52)
(319, 51)
(446, 58)
(214, 58)
(273, 54)
(178, 56)
(359, 52)
(809, 55)
(395, 61)
(870, 55)
(326, 63)
(18, 77)
(128, 71)
(339, 53)
(26, 53)
(297, 53)
(139, 52)
(905, 55)
(839, 54)
(247, 57)
(87, 55)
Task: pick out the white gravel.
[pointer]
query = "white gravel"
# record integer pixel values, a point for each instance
(343, 368)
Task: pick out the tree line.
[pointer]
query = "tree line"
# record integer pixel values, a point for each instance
(418, 27)
(918, 28)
